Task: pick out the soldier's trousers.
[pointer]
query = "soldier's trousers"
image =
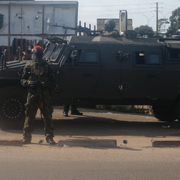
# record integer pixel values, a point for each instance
(66, 108)
(32, 106)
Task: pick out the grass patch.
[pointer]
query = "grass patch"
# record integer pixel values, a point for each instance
(125, 108)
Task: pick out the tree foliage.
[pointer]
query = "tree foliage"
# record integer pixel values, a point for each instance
(174, 19)
(162, 22)
(144, 30)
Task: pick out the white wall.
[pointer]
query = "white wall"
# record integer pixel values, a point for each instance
(36, 18)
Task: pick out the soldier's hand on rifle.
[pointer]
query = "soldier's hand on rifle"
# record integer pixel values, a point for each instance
(35, 84)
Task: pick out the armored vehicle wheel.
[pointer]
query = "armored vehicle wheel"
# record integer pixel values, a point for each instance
(163, 113)
(12, 100)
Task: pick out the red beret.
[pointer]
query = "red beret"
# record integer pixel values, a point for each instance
(37, 49)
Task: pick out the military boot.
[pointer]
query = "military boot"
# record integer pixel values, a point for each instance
(66, 110)
(26, 138)
(65, 113)
(74, 111)
(50, 140)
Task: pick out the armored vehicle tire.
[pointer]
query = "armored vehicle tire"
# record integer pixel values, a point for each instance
(163, 113)
(12, 110)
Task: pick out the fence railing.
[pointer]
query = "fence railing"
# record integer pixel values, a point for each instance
(21, 48)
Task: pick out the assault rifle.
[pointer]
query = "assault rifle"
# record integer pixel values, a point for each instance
(86, 30)
(38, 95)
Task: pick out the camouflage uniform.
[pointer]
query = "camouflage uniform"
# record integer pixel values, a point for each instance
(42, 72)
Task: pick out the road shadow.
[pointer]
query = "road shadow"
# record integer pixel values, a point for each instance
(97, 126)
(88, 126)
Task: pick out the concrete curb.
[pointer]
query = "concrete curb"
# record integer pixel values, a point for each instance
(166, 144)
(88, 143)
(11, 143)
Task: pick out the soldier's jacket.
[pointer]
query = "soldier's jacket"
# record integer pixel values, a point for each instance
(111, 34)
(38, 72)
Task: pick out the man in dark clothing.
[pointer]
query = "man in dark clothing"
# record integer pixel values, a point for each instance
(74, 111)
(38, 78)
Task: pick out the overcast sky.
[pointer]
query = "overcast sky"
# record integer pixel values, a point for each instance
(142, 12)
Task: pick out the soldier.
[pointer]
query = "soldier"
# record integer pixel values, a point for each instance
(38, 78)
(109, 26)
(74, 111)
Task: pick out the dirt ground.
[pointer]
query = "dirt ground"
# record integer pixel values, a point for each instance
(138, 130)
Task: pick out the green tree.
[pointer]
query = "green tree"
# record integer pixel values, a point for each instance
(162, 22)
(144, 30)
(174, 23)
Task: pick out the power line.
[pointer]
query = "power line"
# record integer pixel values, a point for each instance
(115, 5)
(168, 9)
(139, 12)
(132, 9)
(169, 4)
(142, 4)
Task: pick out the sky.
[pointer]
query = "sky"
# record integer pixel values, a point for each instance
(142, 12)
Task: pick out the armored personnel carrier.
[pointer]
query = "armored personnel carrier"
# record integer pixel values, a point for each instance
(94, 70)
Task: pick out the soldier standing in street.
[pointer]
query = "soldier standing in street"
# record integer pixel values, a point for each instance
(38, 78)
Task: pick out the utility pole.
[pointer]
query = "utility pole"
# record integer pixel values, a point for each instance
(157, 18)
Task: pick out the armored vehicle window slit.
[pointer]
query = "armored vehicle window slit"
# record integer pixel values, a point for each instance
(73, 58)
(153, 59)
(55, 54)
(88, 56)
(140, 57)
(49, 51)
(147, 59)
(173, 54)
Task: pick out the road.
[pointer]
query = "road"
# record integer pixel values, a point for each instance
(135, 160)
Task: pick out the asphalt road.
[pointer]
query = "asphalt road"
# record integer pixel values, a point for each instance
(135, 160)
(40, 162)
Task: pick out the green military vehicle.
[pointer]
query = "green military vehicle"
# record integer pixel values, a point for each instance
(92, 70)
